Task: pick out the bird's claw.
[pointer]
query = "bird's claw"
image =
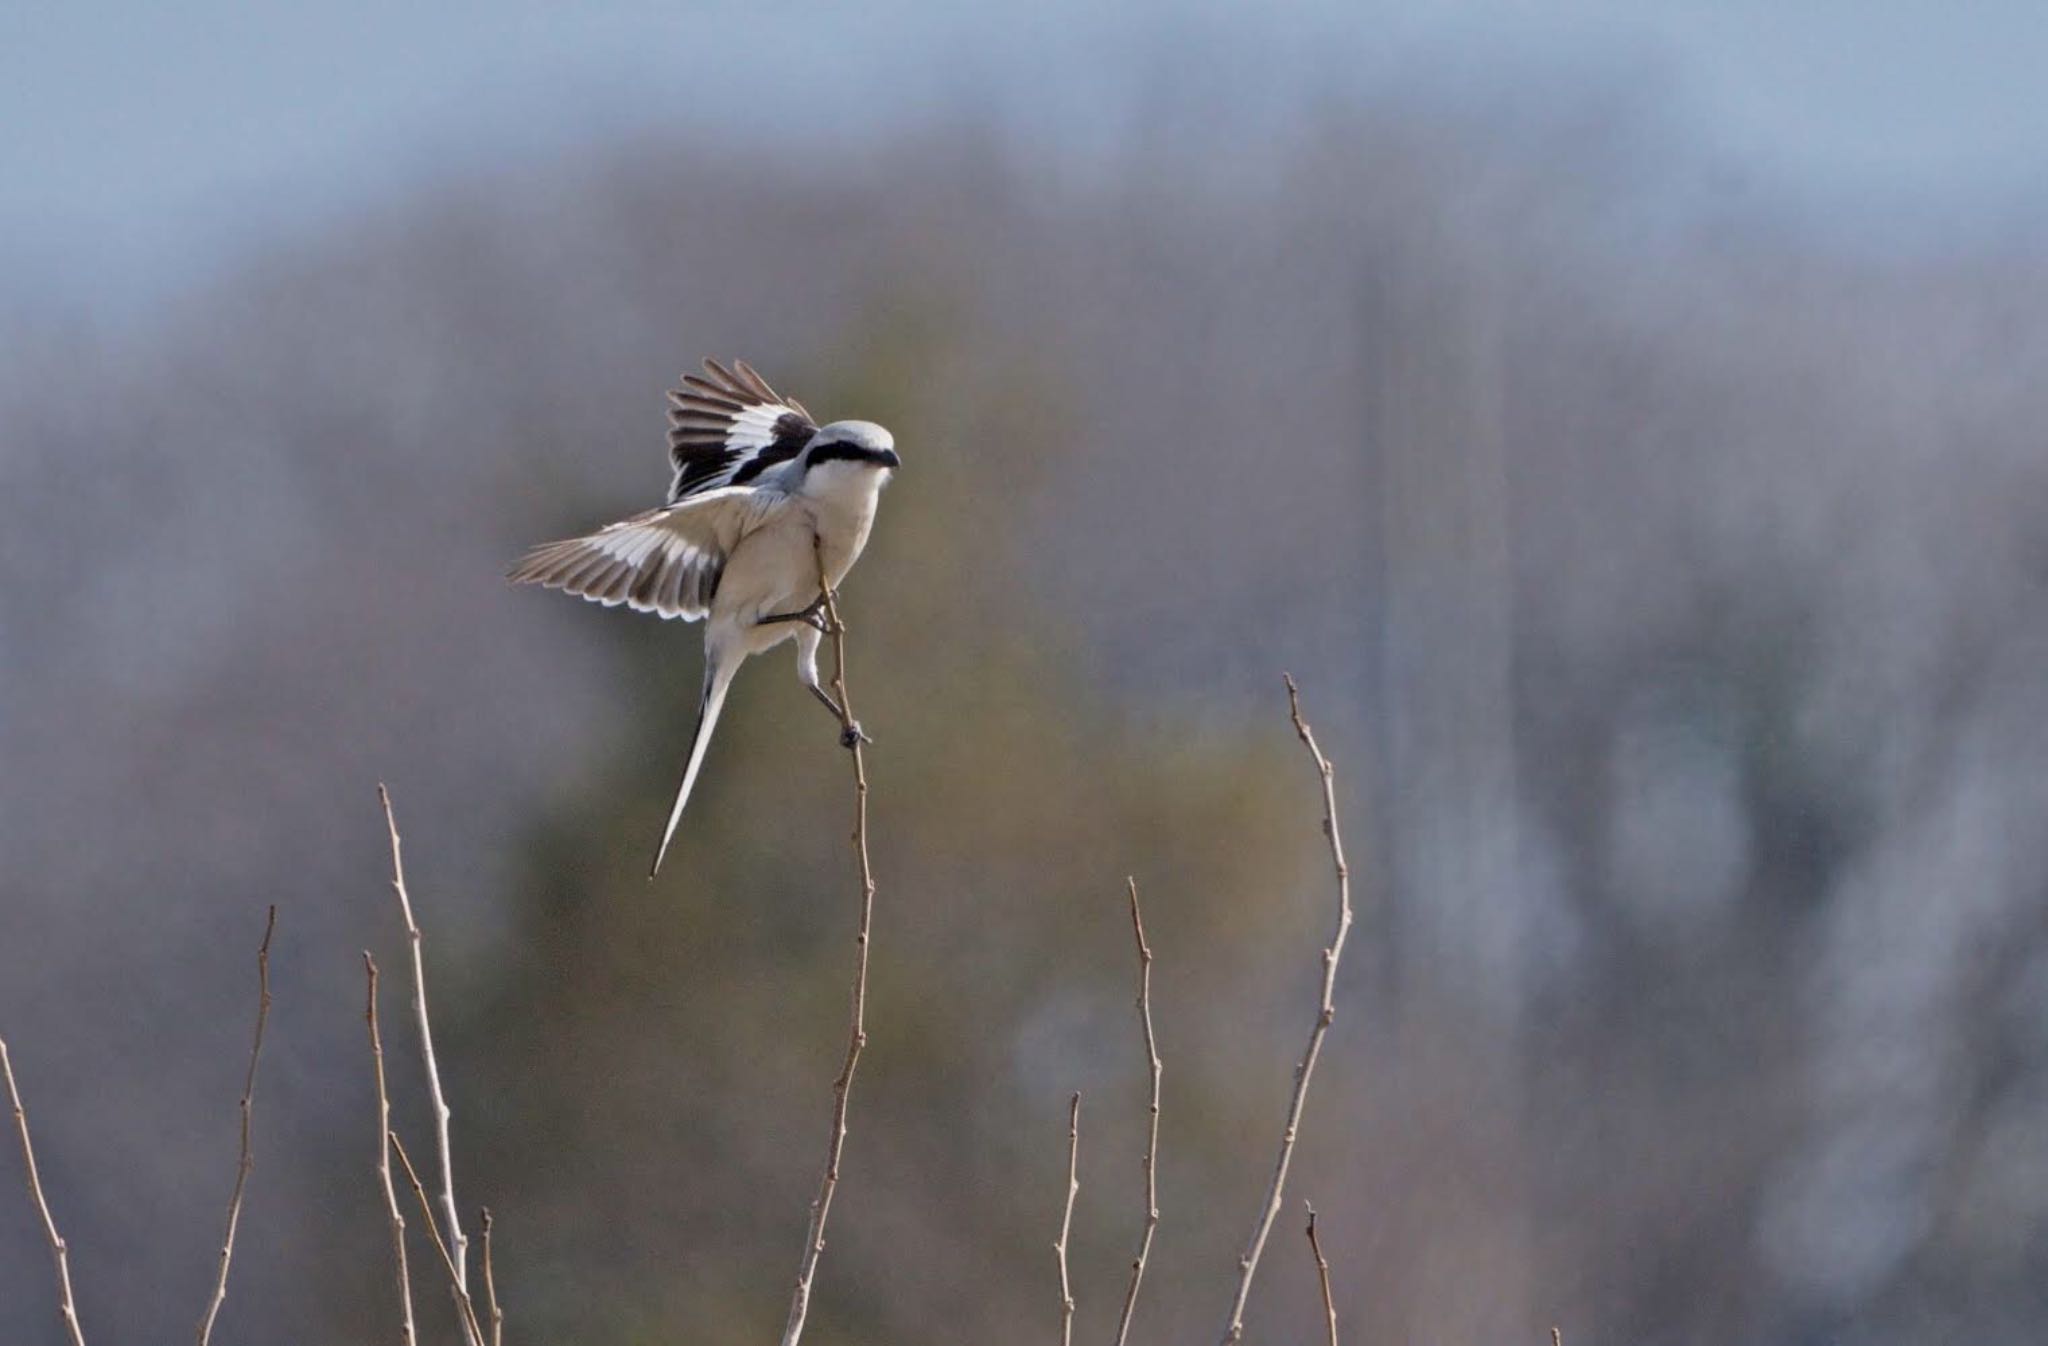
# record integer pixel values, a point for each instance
(851, 736)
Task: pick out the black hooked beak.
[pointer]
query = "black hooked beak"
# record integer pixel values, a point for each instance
(888, 458)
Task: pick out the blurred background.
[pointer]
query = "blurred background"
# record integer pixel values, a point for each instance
(1624, 419)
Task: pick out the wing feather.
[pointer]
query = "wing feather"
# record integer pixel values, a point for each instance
(727, 426)
(666, 561)
(755, 381)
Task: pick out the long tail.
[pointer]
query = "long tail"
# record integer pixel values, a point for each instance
(718, 671)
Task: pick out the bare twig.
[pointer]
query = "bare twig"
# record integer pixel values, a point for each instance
(458, 1243)
(491, 1284)
(1067, 1219)
(1151, 1160)
(1556, 1336)
(462, 1300)
(66, 1305)
(828, 1182)
(1323, 1274)
(247, 1161)
(408, 1335)
(1248, 1264)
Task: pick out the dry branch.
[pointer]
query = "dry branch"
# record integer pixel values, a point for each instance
(491, 1283)
(828, 1182)
(247, 1160)
(1151, 1160)
(66, 1305)
(458, 1243)
(408, 1336)
(470, 1324)
(1326, 1011)
(1322, 1274)
(1067, 1219)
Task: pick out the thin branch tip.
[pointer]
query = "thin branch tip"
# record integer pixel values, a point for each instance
(1323, 1277)
(1325, 1014)
(1150, 1161)
(60, 1251)
(491, 1281)
(407, 1332)
(458, 1243)
(1067, 1217)
(246, 1160)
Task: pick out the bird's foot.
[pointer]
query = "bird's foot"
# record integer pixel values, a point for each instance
(812, 616)
(851, 736)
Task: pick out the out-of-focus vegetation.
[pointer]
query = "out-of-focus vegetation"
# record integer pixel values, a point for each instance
(1667, 586)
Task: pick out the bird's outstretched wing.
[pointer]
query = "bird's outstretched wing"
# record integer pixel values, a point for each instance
(667, 560)
(727, 426)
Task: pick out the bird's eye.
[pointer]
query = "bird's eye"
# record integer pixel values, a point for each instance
(840, 451)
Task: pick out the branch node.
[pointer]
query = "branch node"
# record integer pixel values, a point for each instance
(470, 1325)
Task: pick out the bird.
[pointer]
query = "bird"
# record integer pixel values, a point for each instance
(762, 499)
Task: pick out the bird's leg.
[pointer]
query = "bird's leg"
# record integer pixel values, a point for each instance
(807, 672)
(838, 713)
(812, 616)
(850, 730)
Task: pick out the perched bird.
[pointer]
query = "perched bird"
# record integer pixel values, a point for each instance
(762, 495)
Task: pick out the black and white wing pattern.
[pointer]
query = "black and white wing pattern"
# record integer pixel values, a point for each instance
(667, 560)
(727, 426)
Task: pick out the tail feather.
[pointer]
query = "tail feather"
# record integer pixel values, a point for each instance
(717, 677)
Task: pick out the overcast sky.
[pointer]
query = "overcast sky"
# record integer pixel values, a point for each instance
(143, 143)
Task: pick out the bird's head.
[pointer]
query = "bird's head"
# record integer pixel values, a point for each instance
(851, 448)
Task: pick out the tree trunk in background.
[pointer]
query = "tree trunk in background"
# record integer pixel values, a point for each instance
(1458, 916)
